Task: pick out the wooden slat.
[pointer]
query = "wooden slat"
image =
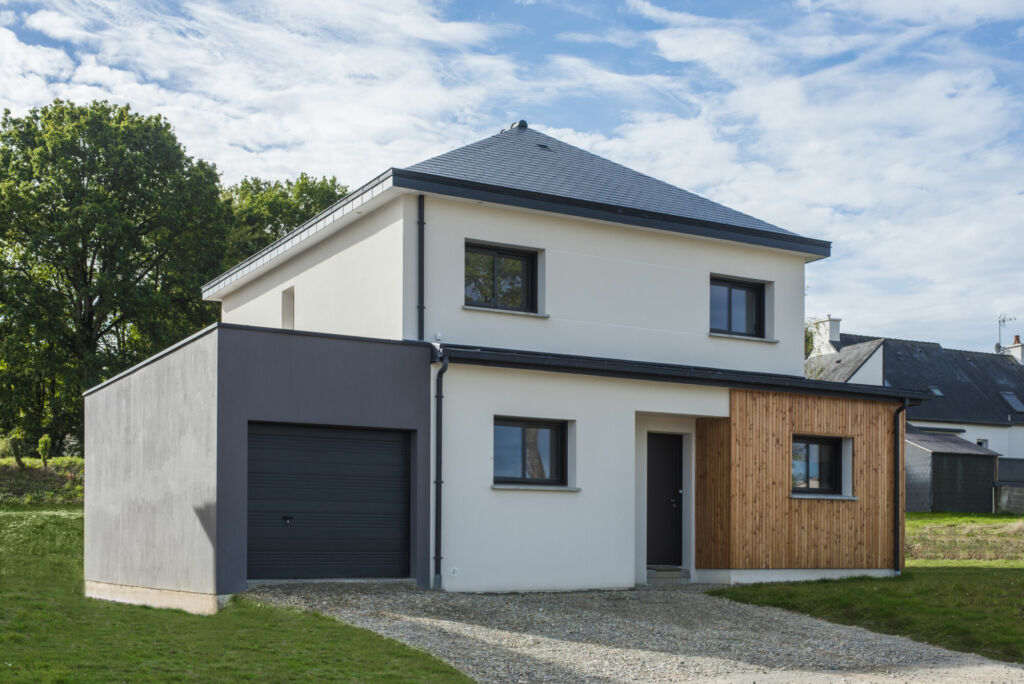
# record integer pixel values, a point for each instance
(745, 517)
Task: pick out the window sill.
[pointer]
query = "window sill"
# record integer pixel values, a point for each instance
(487, 309)
(536, 488)
(745, 338)
(832, 497)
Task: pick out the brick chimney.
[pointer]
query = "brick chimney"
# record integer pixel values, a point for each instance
(824, 332)
(1014, 349)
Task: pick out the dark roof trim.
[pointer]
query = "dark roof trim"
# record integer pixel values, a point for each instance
(252, 328)
(425, 182)
(345, 205)
(664, 372)
(940, 430)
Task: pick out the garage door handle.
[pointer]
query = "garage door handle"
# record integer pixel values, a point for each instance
(287, 519)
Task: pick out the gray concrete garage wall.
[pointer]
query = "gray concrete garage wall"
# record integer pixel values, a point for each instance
(151, 473)
(166, 451)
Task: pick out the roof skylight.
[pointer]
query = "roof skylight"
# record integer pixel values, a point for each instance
(936, 391)
(1014, 401)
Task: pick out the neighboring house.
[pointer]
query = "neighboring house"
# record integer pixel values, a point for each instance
(976, 398)
(515, 366)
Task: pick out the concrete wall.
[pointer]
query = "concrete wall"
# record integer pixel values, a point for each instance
(918, 478)
(610, 290)
(151, 480)
(352, 283)
(166, 452)
(529, 539)
(290, 377)
(1010, 499)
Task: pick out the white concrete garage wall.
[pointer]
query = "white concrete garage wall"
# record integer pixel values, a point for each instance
(610, 290)
(349, 284)
(151, 482)
(509, 540)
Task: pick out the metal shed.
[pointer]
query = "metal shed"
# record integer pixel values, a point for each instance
(947, 473)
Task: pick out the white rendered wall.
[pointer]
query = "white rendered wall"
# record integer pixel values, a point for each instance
(352, 283)
(609, 290)
(870, 373)
(999, 438)
(522, 540)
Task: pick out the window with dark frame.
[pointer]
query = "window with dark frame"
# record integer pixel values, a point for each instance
(817, 465)
(529, 451)
(501, 278)
(737, 307)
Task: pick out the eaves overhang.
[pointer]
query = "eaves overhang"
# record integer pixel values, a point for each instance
(443, 185)
(365, 198)
(380, 189)
(664, 372)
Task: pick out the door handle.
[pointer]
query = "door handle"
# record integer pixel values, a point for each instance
(287, 519)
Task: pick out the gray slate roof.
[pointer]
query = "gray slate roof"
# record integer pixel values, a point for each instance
(527, 160)
(840, 367)
(970, 382)
(945, 443)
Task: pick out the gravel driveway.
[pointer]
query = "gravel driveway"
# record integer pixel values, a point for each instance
(643, 635)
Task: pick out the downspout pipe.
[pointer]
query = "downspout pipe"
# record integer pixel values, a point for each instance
(897, 527)
(438, 481)
(420, 248)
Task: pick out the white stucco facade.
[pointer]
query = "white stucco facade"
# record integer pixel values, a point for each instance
(870, 372)
(603, 289)
(351, 283)
(588, 534)
(1007, 441)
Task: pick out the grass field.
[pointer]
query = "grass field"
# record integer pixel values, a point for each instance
(963, 588)
(61, 483)
(50, 632)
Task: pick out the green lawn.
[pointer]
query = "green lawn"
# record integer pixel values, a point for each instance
(50, 632)
(61, 483)
(963, 588)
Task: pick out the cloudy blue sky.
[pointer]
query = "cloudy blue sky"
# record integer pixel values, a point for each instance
(892, 129)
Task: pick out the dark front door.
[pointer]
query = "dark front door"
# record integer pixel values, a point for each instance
(327, 502)
(664, 499)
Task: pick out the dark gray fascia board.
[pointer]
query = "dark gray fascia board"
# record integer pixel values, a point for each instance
(424, 182)
(253, 328)
(664, 372)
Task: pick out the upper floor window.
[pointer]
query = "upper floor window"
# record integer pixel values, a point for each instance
(501, 278)
(737, 307)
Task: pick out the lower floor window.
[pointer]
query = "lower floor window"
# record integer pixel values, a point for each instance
(529, 451)
(817, 464)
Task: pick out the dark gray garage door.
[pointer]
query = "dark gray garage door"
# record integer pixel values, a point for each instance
(327, 502)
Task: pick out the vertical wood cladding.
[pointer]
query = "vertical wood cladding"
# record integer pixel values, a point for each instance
(746, 518)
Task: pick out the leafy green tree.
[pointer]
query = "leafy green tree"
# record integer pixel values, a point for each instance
(107, 231)
(264, 211)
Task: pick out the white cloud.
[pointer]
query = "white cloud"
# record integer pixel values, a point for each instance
(951, 12)
(58, 25)
(899, 142)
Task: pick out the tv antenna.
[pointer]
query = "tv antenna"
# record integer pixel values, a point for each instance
(1003, 320)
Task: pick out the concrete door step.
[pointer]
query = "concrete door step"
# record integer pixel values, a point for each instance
(667, 574)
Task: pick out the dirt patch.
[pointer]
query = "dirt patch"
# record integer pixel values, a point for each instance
(996, 540)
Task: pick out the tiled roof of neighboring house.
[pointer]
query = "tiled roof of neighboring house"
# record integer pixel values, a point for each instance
(970, 385)
(525, 160)
(945, 443)
(841, 366)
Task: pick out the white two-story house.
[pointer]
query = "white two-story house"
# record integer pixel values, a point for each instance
(515, 366)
